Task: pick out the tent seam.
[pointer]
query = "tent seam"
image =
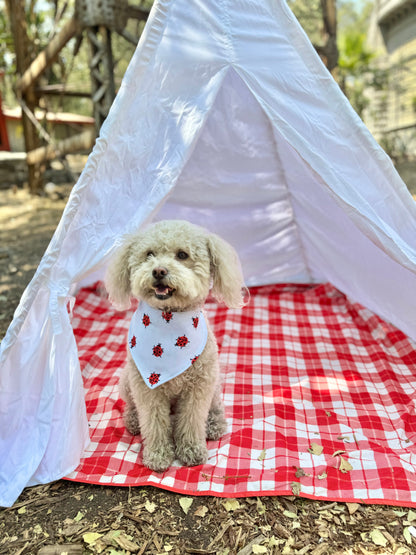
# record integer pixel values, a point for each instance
(228, 40)
(290, 198)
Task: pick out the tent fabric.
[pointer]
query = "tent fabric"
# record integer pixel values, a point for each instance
(225, 105)
(304, 369)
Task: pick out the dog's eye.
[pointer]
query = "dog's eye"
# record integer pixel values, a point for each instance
(182, 255)
(150, 253)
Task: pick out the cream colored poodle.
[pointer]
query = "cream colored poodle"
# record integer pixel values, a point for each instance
(171, 383)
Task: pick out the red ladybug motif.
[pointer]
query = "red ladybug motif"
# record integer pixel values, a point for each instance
(182, 341)
(157, 350)
(195, 321)
(146, 320)
(133, 342)
(154, 378)
(167, 316)
(194, 359)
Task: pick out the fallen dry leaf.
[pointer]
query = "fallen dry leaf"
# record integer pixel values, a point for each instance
(150, 507)
(91, 537)
(316, 449)
(201, 511)
(290, 514)
(345, 466)
(262, 455)
(399, 512)
(295, 487)
(352, 507)
(185, 503)
(407, 536)
(261, 509)
(231, 505)
(344, 438)
(412, 531)
(259, 548)
(378, 538)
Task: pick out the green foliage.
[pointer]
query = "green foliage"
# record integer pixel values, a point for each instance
(354, 55)
(309, 15)
(6, 41)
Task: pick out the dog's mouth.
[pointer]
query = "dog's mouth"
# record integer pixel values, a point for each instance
(163, 292)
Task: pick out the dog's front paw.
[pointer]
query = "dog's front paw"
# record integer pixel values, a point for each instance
(216, 424)
(192, 454)
(131, 421)
(160, 458)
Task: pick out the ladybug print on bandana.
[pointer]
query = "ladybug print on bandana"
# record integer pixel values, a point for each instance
(167, 316)
(182, 341)
(163, 344)
(157, 350)
(154, 378)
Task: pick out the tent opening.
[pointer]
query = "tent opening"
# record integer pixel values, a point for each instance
(235, 181)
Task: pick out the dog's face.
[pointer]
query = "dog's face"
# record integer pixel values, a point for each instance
(171, 266)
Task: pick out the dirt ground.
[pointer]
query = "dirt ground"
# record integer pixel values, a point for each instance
(66, 517)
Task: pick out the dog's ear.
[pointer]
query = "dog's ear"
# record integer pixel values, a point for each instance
(226, 272)
(117, 279)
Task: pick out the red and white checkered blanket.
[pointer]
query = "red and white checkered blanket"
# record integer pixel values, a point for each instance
(320, 399)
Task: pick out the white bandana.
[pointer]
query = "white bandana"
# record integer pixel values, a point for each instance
(165, 344)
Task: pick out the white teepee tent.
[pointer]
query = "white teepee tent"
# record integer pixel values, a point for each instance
(228, 118)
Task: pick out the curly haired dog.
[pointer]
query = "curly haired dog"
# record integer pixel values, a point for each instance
(171, 267)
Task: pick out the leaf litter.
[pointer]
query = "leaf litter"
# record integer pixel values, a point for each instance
(118, 521)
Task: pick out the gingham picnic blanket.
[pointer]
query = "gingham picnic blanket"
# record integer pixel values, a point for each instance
(320, 400)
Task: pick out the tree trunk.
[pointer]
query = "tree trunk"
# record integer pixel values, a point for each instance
(329, 51)
(17, 17)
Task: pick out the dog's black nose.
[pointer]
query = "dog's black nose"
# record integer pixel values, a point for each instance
(159, 273)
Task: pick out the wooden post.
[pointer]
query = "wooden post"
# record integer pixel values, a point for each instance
(17, 17)
(77, 143)
(102, 72)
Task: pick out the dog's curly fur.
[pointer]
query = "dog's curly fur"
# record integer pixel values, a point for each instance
(192, 261)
